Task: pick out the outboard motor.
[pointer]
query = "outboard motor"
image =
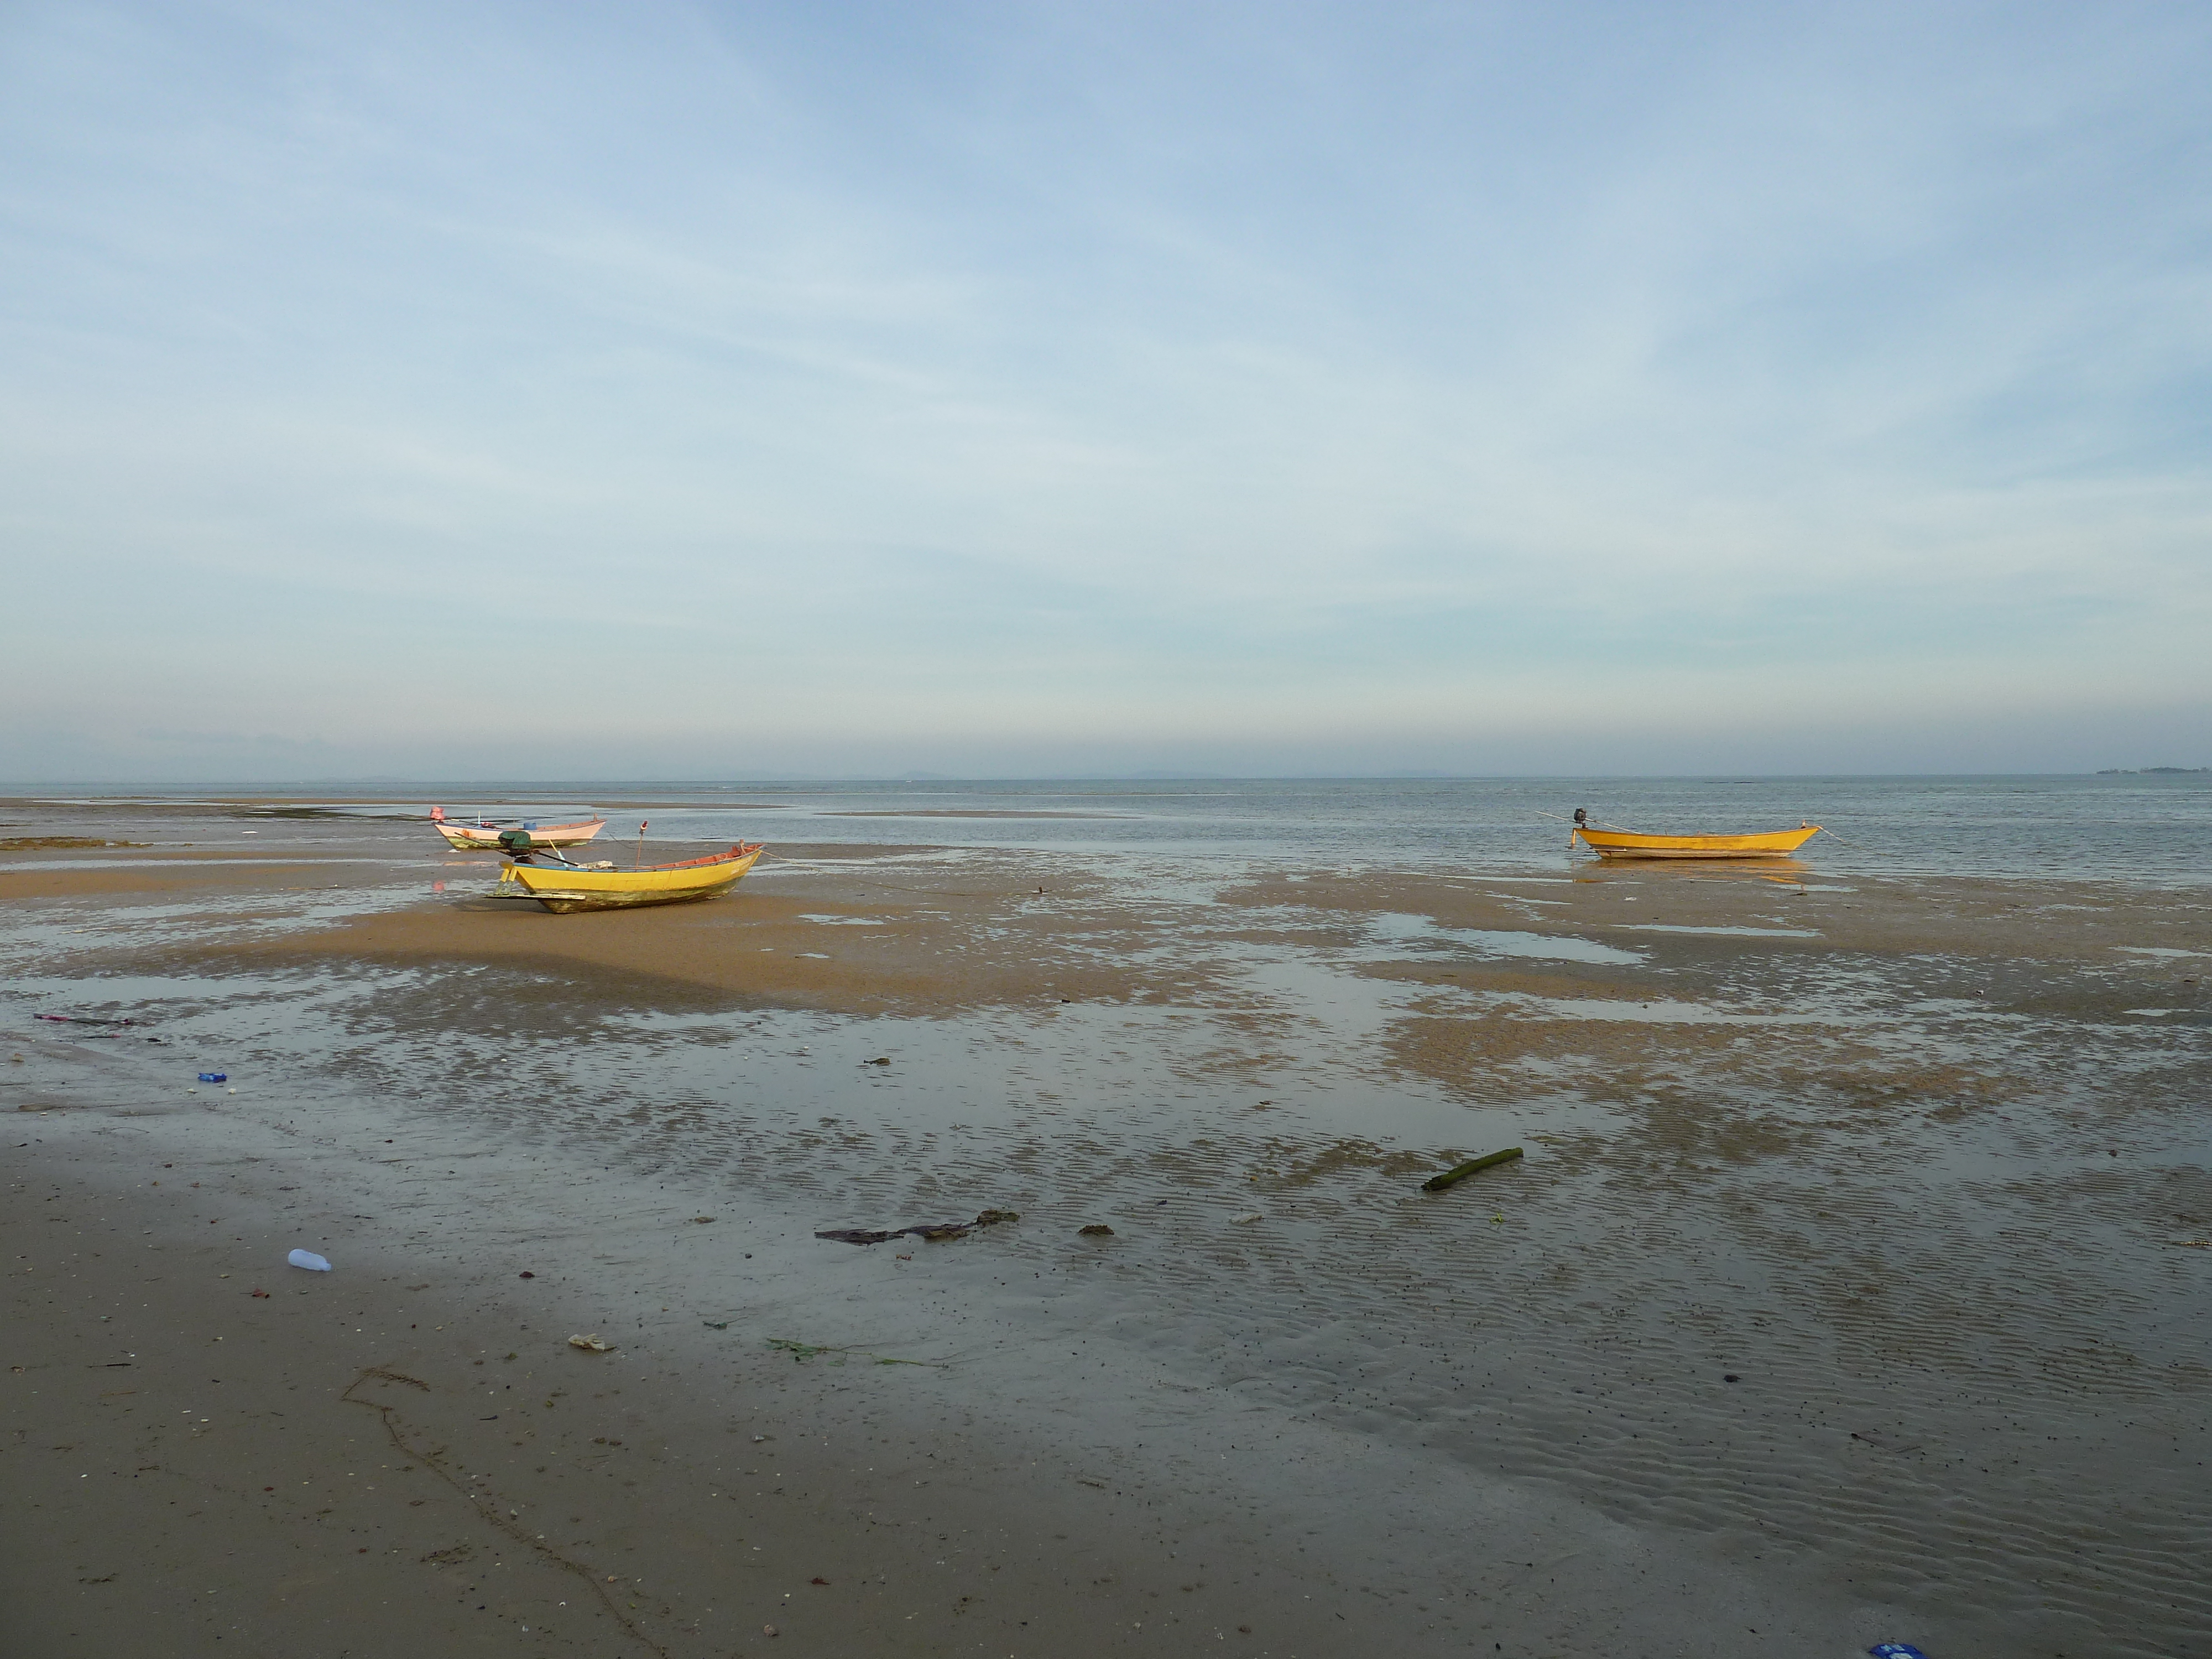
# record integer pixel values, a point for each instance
(515, 842)
(1582, 818)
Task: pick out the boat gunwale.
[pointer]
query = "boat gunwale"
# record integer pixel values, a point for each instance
(744, 849)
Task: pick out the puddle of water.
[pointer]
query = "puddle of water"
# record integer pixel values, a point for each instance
(1718, 932)
(792, 863)
(1400, 929)
(1655, 1013)
(228, 861)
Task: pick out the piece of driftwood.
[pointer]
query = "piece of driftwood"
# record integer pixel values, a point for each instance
(1462, 1171)
(937, 1232)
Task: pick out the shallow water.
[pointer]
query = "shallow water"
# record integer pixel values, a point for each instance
(2147, 828)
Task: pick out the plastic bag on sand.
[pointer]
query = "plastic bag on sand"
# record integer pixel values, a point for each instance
(308, 1260)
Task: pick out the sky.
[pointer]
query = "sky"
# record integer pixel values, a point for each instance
(723, 390)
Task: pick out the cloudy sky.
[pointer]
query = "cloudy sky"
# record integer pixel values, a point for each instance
(727, 389)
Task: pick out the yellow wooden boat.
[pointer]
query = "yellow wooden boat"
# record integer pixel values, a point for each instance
(562, 888)
(1622, 844)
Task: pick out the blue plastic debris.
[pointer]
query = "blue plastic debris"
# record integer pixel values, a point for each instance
(1896, 1651)
(215, 1077)
(315, 1264)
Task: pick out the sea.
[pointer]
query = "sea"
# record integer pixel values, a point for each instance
(2153, 828)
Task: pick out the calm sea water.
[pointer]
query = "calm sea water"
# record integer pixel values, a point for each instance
(2151, 828)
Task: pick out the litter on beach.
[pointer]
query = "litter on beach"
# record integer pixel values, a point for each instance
(591, 1343)
(1460, 1171)
(308, 1260)
(1896, 1651)
(215, 1077)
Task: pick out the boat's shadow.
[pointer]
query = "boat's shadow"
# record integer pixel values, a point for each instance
(1787, 872)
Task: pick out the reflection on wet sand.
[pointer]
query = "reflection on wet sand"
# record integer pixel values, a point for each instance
(1780, 872)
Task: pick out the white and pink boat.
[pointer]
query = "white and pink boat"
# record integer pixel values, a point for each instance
(483, 835)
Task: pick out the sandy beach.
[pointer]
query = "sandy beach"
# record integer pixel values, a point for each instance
(1852, 1287)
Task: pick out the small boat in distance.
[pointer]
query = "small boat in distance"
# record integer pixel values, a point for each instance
(561, 888)
(1625, 844)
(483, 835)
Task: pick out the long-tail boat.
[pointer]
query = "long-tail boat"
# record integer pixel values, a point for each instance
(1625, 844)
(483, 835)
(561, 888)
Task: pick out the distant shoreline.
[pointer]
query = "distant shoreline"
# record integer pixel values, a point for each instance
(365, 791)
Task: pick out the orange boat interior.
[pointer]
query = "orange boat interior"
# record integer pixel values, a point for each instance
(734, 853)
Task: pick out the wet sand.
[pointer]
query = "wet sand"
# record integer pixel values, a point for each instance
(1849, 1291)
(355, 1462)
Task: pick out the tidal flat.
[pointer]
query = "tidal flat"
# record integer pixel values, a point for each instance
(1853, 1286)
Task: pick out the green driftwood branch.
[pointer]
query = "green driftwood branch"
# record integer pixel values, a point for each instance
(1461, 1172)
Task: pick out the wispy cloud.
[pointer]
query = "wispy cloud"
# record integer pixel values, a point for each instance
(1217, 382)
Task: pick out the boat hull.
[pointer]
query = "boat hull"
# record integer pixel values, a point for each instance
(470, 837)
(563, 891)
(1621, 844)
